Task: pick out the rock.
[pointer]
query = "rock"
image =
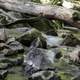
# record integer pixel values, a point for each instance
(75, 55)
(55, 77)
(15, 32)
(16, 46)
(8, 52)
(3, 66)
(39, 42)
(15, 73)
(3, 36)
(3, 46)
(3, 74)
(42, 75)
(13, 48)
(52, 33)
(29, 36)
(1, 55)
(71, 40)
(63, 33)
(40, 58)
(77, 77)
(10, 40)
(9, 62)
(16, 62)
(15, 15)
(37, 59)
(45, 75)
(43, 25)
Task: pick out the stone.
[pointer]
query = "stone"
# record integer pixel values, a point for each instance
(71, 40)
(10, 40)
(36, 59)
(3, 36)
(77, 77)
(29, 36)
(39, 42)
(12, 48)
(75, 55)
(3, 66)
(16, 46)
(16, 61)
(8, 52)
(15, 32)
(3, 74)
(3, 46)
(43, 25)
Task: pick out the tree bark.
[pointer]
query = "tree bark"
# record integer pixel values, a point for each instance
(48, 11)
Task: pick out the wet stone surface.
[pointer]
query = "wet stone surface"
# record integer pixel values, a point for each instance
(37, 49)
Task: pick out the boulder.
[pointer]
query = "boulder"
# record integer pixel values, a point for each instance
(71, 40)
(28, 37)
(3, 74)
(16, 46)
(3, 36)
(37, 59)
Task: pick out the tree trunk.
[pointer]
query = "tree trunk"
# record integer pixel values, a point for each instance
(48, 11)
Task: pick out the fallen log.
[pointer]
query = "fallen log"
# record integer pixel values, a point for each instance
(48, 11)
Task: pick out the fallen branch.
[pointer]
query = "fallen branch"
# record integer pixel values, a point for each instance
(50, 12)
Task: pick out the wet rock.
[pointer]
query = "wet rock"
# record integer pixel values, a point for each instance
(3, 74)
(40, 58)
(25, 36)
(52, 33)
(36, 78)
(75, 55)
(71, 40)
(6, 63)
(13, 48)
(55, 77)
(63, 33)
(15, 15)
(16, 46)
(45, 75)
(77, 77)
(39, 42)
(8, 52)
(15, 73)
(3, 36)
(29, 36)
(1, 55)
(16, 62)
(16, 32)
(3, 46)
(10, 40)
(37, 59)
(9, 62)
(43, 25)
(3, 66)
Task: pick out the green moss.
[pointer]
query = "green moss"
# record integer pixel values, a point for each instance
(3, 65)
(76, 15)
(16, 75)
(65, 75)
(47, 74)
